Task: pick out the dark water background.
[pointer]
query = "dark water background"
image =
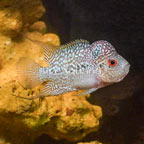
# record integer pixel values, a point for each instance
(121, 22)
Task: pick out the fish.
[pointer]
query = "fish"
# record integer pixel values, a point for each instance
(77, 65)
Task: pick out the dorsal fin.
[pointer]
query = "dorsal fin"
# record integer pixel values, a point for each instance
(72, 43)
(48, 49)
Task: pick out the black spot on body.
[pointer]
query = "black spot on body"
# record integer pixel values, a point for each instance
(83, 66)
(78, 67)
(71, 68)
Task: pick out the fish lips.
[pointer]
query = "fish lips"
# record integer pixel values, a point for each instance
(127, 67)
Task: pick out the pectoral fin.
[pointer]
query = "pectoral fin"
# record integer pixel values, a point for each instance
(88, 91)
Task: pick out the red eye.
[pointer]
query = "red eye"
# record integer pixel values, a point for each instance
(112, 62)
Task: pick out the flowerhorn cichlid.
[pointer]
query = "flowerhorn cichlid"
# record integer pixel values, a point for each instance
(77, 65)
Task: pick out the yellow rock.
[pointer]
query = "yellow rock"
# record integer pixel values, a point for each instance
(66, 116)
(57, 116)
(38, 26)
(18, 14)
(93, 142)
(10, 22)
(2, 141)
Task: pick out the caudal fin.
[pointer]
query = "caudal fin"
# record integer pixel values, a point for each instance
(28, 73)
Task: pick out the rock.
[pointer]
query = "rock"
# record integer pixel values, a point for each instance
(93, 142)
(15, 15)
(66, 116)
(38, 26)
(57, 116)
(32, 10)
(10, 22)
(3, 141)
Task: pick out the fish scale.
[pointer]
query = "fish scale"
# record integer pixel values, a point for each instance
(74, 66)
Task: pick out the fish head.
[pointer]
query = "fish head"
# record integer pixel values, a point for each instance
(113, 69)
(110, 66)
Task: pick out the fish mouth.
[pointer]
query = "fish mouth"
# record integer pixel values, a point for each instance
(126, 67)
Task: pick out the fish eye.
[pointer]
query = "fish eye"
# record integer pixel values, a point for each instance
(112, 62)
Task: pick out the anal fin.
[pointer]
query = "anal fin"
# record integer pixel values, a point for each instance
(50, 89)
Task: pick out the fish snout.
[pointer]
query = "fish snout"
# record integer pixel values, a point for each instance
(126, 68)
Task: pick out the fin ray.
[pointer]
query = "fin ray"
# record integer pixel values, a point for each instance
(88, 91)
(50, 51)
(47, 48)
(28, 73)
(72, 43)
(50, 89)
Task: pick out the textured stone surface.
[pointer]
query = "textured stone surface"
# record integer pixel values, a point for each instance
(57, 116)
(93, 142)
(66, 116)
(15, 15)
(38, 26)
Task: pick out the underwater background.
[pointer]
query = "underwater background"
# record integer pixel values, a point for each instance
(121, 23)
(111, 115)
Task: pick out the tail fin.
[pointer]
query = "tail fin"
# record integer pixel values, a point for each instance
(28, 73)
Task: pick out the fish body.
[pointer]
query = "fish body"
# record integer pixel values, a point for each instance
(74, 66)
